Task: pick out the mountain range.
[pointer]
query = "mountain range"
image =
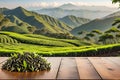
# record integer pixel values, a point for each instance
(70, 6)
(29, 21)
(90, 12)
(74, 21)
(21, 20)
(102, 24)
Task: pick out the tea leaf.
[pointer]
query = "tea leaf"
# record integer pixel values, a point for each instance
(25, 64)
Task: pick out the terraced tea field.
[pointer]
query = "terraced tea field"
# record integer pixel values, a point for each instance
(7, 39)
(18, 43)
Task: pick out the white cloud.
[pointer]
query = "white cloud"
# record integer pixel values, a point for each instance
(45, 4)
(56, 4)
(109, 4)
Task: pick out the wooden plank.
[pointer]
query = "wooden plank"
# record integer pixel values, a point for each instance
(86, 69)
(55, 63)
(68, 69)
(2, 59)
(115, 60)
(9, 75)
(113, 67)
(105, 68)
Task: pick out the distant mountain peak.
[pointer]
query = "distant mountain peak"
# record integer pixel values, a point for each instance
(69, 5)
(113, 14)
(19, 8)
(72, 16)
(74, 21)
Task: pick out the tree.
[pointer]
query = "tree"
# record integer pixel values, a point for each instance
(82, 34)
(116, 22)
(105, 37)
(90, 35)
(87, 38)
(97, 32)
(118, 37)
(113, 30)
(31, 29)
(115, 1)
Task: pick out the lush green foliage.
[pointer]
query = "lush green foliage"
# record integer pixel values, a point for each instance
(110, 36)
(6, 50)
(47, 46)
(27, 62)
(30, 40)
(71, 41)
(6, 39)
(116, 1)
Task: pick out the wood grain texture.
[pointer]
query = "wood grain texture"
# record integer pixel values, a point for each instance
(105, 68)
(68, 69)
(86, 69)
(115, 60)
(71, 68)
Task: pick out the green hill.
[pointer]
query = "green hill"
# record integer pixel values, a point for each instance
(41, 40)
(99, 24)
(102, 24)
(14, 24)
(35, 41)
(74, 21)
(41, 22)
(6, 39)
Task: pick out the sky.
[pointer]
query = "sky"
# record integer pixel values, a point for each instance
(53, 3)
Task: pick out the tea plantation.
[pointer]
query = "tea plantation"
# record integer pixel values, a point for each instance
(46, 46)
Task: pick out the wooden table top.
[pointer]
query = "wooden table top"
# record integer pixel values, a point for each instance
(71, 68)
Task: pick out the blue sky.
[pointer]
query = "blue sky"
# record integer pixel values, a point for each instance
(52, 3)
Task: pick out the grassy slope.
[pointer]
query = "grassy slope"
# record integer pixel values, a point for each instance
(11, 23)
(6, 39)
(7, 49)
(37, 41)
(40, 21)
(100, 24)
(74, 21)
(13, 42)
(74, 42)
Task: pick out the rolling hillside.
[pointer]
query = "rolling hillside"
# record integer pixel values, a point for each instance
(11, 43)
(14, 24)
(40, 40)
(99, 24)
(74, 21)
(41, 22)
